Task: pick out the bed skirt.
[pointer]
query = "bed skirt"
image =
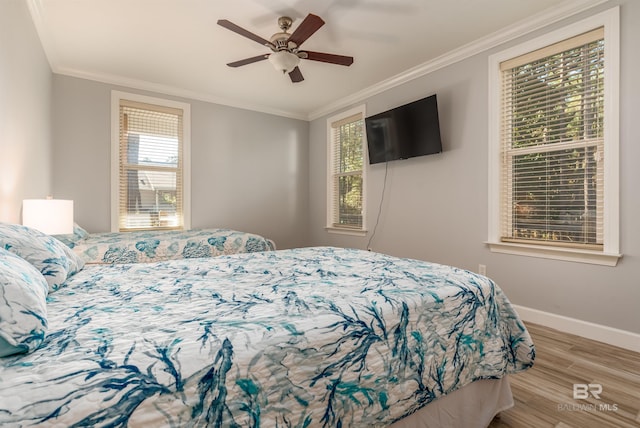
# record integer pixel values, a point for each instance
(473, 406)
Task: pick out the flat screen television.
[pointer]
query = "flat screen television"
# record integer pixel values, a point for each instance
(404, 132)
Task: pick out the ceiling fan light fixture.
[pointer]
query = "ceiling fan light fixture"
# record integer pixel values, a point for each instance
(284, 61)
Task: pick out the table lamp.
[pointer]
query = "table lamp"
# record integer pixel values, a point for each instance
(51, 216)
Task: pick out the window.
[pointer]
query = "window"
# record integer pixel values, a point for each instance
(150, 185)
(346, 176)
(554, 145)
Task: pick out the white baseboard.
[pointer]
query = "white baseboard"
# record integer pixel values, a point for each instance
(601, 333)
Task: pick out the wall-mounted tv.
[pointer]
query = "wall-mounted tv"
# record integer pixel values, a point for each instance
(404, 132)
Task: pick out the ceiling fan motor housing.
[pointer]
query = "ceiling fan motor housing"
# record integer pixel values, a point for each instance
(281, 41)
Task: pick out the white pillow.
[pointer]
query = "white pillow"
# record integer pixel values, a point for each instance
(55, 261)
(72, 239)
(23, 305)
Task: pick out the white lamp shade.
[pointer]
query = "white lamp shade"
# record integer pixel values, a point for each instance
(51, 216)
(284, 61)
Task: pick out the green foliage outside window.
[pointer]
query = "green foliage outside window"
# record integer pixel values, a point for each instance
(555, 102)
(349, 174)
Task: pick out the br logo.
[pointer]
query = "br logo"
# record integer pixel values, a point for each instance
(582, 391)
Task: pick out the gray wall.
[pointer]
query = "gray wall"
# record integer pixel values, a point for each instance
(435, 207)
(25, 112)
(249, 169)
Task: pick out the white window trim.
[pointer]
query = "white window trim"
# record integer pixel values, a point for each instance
(329, 227)
(610, 255)
(116, 96)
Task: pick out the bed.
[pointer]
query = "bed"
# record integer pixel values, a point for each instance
(304, 337)
(160, 245)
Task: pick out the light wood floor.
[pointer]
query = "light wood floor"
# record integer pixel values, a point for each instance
(543, 395)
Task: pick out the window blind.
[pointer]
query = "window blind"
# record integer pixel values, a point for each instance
(150, 167)
(347, 161)
(552, 144)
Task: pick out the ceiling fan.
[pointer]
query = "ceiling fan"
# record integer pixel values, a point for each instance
(285, 47)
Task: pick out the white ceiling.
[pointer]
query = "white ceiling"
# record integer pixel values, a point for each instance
(176, 47)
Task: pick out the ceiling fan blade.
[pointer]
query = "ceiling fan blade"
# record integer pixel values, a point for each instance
(296, 75)
(239, 30)
(248, 60)
(326, 57)
(310, 25)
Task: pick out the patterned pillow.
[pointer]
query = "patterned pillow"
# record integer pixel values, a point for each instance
(71, 239)
(23, 306)
(52, 258)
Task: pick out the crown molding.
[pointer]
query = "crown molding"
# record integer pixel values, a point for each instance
(512, 32)
(157, 88)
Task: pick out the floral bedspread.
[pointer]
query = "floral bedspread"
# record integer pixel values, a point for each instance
(154, 246)
(292, 338)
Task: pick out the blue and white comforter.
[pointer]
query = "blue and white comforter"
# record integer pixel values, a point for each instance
(155, 246)
(305, 337)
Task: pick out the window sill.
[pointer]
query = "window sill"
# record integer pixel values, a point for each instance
(556, 253)
(346, 231)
